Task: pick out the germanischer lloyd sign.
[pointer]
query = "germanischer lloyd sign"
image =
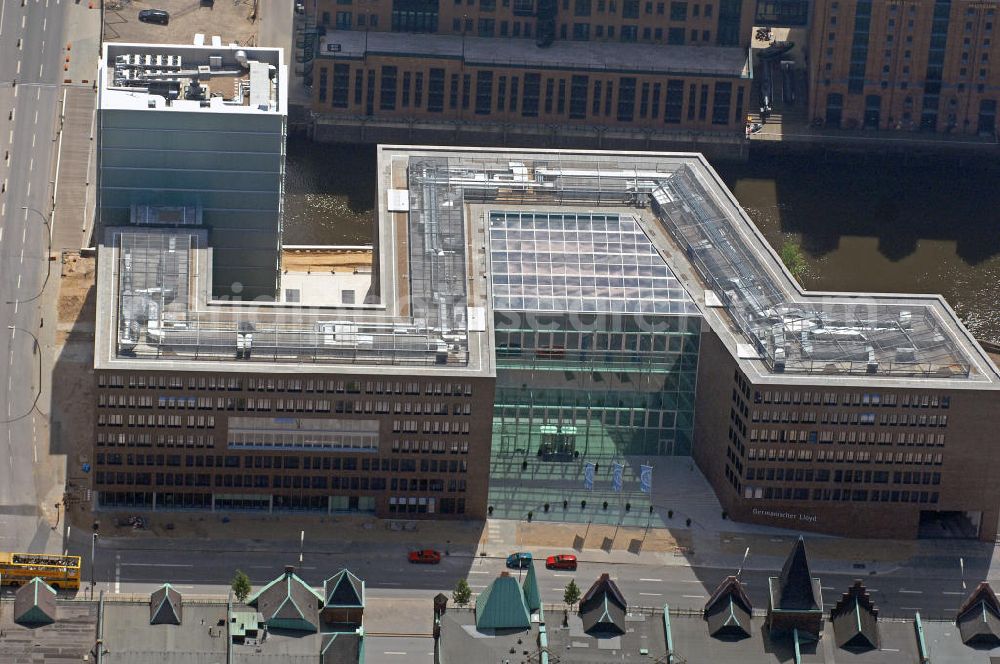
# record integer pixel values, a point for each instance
(811, 518)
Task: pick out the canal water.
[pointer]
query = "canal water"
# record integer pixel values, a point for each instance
(864, 224)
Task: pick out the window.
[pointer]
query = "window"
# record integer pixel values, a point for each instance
(453, 92)
(626, 99)
(582, 8)
(578, 97)
(532, 88)
(387, 94)
(341, 84)
(703, 103)
(484, 92)
(675, 36)
(344, 20)
(678, 11)
(435, 91)
(581, 31)
(405, 103)
(720, 104)
(629, 33)
(674, 102)
(630, 9)
(549, 88)
(323, 72)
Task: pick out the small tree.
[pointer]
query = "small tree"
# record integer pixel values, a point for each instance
(572, 594)
(462, 593)
(241, 585)
(794, 259)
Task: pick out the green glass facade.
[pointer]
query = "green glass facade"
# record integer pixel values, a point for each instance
(594, 386)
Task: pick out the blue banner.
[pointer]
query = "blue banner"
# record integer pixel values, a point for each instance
(646, 479)
(616, 477)
(588, 476)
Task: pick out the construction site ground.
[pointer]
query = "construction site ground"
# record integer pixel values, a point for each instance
(325, 260)
(233, 20)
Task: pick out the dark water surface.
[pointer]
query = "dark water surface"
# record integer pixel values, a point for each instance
(875, 224)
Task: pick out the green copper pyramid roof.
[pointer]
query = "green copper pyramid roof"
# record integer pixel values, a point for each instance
(35, 603)
(502, 606)
(530, 587)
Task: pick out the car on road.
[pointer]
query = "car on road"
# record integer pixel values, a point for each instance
(425, 556)
(154, 16)
(519, 560)
(561, 562)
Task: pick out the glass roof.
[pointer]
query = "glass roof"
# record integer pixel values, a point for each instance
(579, 262)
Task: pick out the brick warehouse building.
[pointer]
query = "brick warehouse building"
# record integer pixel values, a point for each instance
(906, 64)
(553, 302)
(630, 74)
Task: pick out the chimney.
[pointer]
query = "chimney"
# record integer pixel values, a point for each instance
(289, 569)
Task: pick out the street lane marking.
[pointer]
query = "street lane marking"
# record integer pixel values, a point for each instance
(693, 581)
(394, 652)
(910, 608)
(653, 580)
(562, 575)
(31, 164)
(911, 592)
(477, 571)
(694, 596)
(156, 565)
(951, 592)
(473, 585)
(18, 68)
(652, 594)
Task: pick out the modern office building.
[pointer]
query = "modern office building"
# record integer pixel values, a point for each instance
(195, 136)
(567, 305)
(906, 65)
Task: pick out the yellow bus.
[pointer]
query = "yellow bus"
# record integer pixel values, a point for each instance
(60, 572)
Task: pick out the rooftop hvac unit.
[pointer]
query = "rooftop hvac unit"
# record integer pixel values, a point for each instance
(204, 72)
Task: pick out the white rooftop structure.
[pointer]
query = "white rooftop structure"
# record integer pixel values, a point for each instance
(213, 79)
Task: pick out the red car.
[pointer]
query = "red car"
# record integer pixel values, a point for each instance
(561, 562)
(426, 556)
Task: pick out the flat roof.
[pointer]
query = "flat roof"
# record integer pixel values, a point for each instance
(597, 57)
(556, 230)
(189, 78)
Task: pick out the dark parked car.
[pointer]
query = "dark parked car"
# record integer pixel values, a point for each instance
(154, 16)
(519, 560)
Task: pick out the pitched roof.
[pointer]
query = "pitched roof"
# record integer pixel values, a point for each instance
(603, 587)
(288, 603)
(978, 618)
(728, 610)
(344, 590)
(502, 605)
(797, 590)
(855, 620)
(530, 588)
(165, 606)
(35, 603)
(603, 617)
(341, 648)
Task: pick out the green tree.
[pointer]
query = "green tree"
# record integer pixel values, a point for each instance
(241, 585)
(794, 259)
(462, 593)
(572, 594)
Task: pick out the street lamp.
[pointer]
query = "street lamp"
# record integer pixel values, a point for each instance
(48, 256)
(93, 550)
(34, 351)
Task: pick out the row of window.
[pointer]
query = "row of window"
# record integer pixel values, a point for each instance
(853, 399)
(282, 405)
(843, 456)
(624, 100)
(850, 418)
(315, 482)
(142, 420)
(239, 383)
(430, 427)
(385, 464)
(855, 495)
(424, 505)
(845, 437)
(160, 440)
(841, 476)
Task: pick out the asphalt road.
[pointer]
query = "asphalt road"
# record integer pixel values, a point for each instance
(934, 587)
(31, 42)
